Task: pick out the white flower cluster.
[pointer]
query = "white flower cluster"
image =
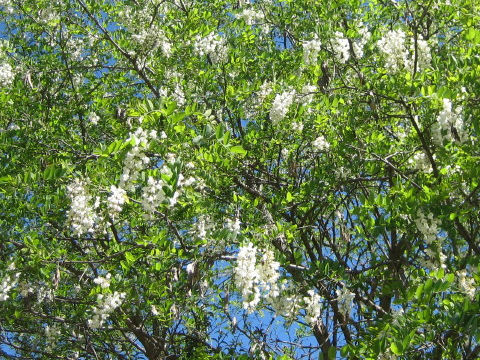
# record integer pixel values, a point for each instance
(424, 56)
(179, 95)
(260, 279)
(152, 196)
(246, 276)
(251, 17)
(116, 200)
(268, 275)
(211, 45)
(81, 214)
(341, 47)
(6, 74)
(75, 48)
(280, 105)
(233, 226)
(264, 91)
(359, 44)
(135, 160)
(52, 332)
(393, 45)
(8, 283)
(106, 304)
(289, 303)
(203, 226)
(448, 121)
(103, 281)
(93, 118)
(344, 300)
(308, 92)
(311, 48)
(428, 226)
(7, 6)
(297, 126)
(466, 284)
(312, 307)
(153, 38)
(421, 162)
(320, 143)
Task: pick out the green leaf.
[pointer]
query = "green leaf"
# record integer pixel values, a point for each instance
(129, 257)
(289, 197)
(238, 149)
(332, 353)
(397, 348)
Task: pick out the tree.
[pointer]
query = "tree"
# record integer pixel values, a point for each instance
(232, 179)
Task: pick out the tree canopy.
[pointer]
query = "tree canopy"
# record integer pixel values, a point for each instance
(240, 179)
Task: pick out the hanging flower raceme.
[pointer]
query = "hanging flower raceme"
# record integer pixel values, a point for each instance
(429, 227)
(81, 214)
(341, 47)
(211, 45)
(466, 284)
(312, 307)
(6, 74)
(280, 106)
(311, 49)
(136, 160)
(320, 143)
(449, 126)
(397, 54)
(344, 300)
(116, 200)
(106, 304)
(247, 277)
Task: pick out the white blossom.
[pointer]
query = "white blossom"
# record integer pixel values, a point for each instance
(344, 300)
(359, 43)
(251, 16)
(308, 92)
(268, 275)
(392, 44)
(153, 38)
(6, 74)
(233, 225)
(312, 307)
(153, 195)
(466, 284)
(424, 56)
(81, 214)
(246, 276)
(449, 125)
(135, 160)
(297, 126)
(320, 143)
(421, 162)
(7, 284)
(106, 304)
(103, 281)
(280, 106)
(116, 200)
(311, 48)
(341, 47)
(93, 118)
(212, 45)
(429, 227)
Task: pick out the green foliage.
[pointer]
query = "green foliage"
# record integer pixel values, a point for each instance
(145, 142)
